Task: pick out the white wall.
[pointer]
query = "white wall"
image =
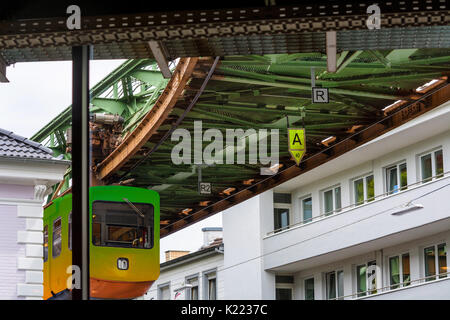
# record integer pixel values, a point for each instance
(244, 225)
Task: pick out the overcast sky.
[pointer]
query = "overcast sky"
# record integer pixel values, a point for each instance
(39, 91)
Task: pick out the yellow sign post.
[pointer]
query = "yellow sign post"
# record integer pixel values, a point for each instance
(297, 143)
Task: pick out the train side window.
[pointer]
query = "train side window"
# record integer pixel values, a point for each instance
(70, 231)
(56, 246)
(45, 243)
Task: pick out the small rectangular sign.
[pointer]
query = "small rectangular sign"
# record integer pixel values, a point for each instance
(320, 95)
(205, 187)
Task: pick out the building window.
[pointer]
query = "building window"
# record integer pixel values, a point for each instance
(211, 286)
(56, 244)
(399, 271)
(192, 292)
(45, 243)
(281, 218)
(332, 200)
(363, 189)
(435, 263)
(396, 178)
(164, 292)
(70, 230)
(282, 198)
(283, 293)
(335, 284)
(431, 165)
(284, 285)
(307, 209)
(309, 289)
(366, 279)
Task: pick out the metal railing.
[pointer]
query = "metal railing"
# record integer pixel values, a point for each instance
(391, 288)
(352, 206)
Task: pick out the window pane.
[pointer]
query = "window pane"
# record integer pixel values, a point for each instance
(281, 218)
(328, 201)
(282, 198)
(307, 209)
(439, 163)
(430, 263)
(442, 260)
(370, 188)
(331, 285)
(361, 286)
(337, 198)
(359, 191)
(425, 164)
(212, 289)
(45, 243)
(340, 283)
(194, 293)
(371, 277)
(406, 270)
(70, 231)
(309, 289)
(394, 270)
(403, 177)
(56, 246)
(164, 293)
(283, 294)
(392, 180)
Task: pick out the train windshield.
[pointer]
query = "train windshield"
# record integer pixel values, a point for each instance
(122, 224)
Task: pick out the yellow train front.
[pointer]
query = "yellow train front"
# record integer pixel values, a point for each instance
(124, 246)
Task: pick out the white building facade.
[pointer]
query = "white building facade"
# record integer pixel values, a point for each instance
(193, 276)
(373, 223)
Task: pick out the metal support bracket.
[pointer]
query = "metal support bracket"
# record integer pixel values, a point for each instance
(161, 58)
(3, 70)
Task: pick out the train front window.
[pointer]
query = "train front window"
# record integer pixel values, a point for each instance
(122, 224)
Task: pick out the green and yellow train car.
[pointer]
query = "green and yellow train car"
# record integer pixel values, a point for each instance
(124, 246)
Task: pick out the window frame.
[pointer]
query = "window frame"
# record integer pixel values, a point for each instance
(160, 290)
(336, 280)
(302, 211)
(365, 191)
(436, 275)
(401, 283)
(45, 248)
(286, 207)
(207, 276)
(398, 176)
(284, 286)
(368, 292)
(333, 194)
(54, 230)
(434, 174)
(304, 288)
(188, 279)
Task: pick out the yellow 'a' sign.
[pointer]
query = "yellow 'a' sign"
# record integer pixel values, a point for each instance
(297, 143)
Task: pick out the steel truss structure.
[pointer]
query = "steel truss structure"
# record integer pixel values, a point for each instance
(372, 92)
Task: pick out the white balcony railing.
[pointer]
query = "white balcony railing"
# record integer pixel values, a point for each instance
(372, 293)
(352, 206)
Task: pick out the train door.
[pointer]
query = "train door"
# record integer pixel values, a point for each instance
(58, 274)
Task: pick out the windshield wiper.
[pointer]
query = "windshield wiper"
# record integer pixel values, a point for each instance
(139, 212)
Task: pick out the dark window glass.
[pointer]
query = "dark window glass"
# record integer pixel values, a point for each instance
(439, 163)
(45, 243)
(281, 218)
(307, 209)
(283, 294)
(430, 263)
(56, 244)
(442, 260)
(309, 289)
(122, 224)
(70, 231)
(282, 198)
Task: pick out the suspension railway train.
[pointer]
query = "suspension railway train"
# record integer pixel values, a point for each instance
(124, 246)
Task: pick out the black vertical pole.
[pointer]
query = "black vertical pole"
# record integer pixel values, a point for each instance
(80, 168)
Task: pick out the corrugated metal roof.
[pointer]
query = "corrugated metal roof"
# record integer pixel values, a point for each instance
(15, 146)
